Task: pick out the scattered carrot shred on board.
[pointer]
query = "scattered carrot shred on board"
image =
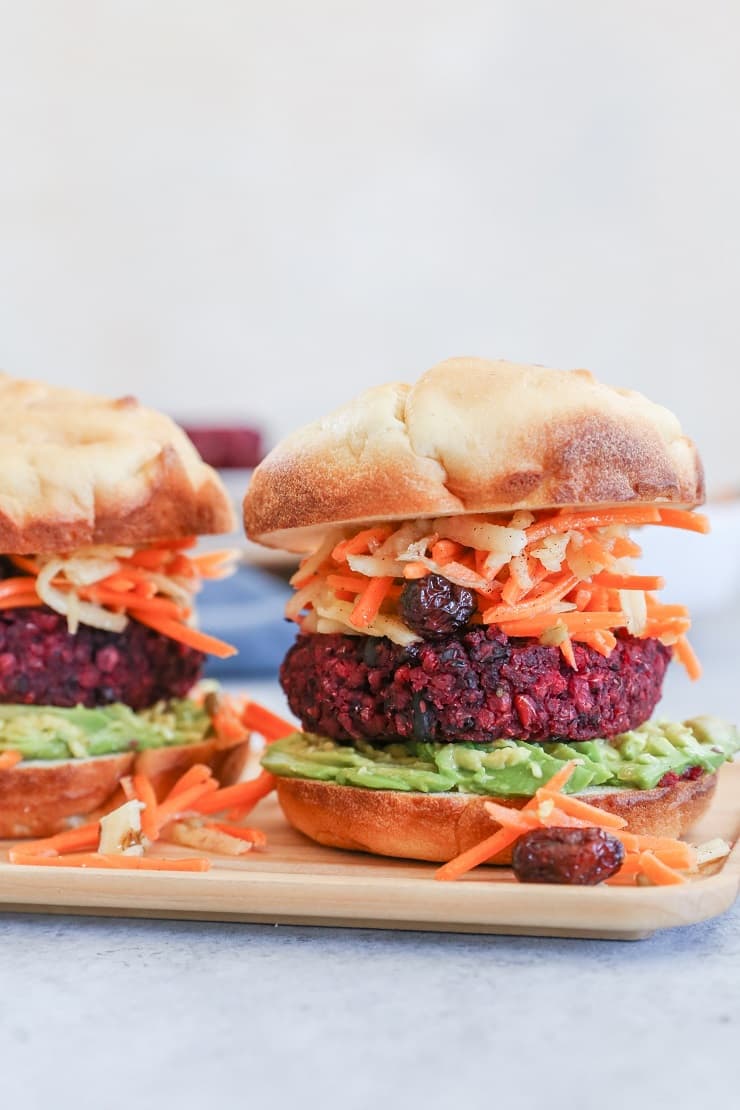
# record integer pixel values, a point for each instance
(243, 795)
(500, 840)
(80, 839)
(145, 793)
(658, 872)
(9, 759)
(576, 808)
(657, 859)
(176, 804)
(196, 775)
(243, 832)
(111, 861)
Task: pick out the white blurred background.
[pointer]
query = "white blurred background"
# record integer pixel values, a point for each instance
(253, 210)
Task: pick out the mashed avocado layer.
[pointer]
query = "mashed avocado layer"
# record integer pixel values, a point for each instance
(637, 759)
(45, 732)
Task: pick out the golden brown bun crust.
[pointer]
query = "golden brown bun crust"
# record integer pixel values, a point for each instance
(438, 827)
(77, 469)
(471, 436)
(37, 799)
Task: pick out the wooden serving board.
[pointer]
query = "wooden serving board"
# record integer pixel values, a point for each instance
(298, 882)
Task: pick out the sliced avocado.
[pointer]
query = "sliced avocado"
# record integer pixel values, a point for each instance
(48, 732)
(635, 760)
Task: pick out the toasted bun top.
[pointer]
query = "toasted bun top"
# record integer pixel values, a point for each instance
(77, 469)
(471, 436)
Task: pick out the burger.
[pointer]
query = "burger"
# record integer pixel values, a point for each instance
(101, 502)
(471, 615)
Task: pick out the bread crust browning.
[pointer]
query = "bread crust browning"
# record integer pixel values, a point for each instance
(39, 799)
(471, 436)
(438, 827)
(77, 469)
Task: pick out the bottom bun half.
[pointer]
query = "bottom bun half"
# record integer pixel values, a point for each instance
(38, 799)
(438, 827)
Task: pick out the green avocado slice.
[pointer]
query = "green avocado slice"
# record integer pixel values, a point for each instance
(634, 760)
(48, 732)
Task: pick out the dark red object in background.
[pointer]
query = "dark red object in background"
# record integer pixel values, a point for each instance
(227, 447)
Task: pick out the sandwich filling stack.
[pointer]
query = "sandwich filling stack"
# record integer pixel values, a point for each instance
(471, 610)
(101, 502)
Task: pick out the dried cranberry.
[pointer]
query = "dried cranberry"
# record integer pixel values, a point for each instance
(583, 857)
(433, 606)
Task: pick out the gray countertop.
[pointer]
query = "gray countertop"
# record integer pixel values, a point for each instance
(128, 1013)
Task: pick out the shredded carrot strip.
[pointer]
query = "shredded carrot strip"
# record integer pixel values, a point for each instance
(352, 583)
(213, 565)
(602, 640)
(369, 601)
(685, 653)
(11, 586)
(9, 759)
(486, 850)
(266, 723)
(500, 840)
(629, 581)
(622, 547)
(582, 598)
(110, 861)
(599, 602)
(566, 649)
(684, 518)
(574, 622)
(24, 563)
(509, 817)
(243, 795)
(228, 725)
(576, 808)
(556, 592)
(71, 840)
(20, 601)
(445, 551)
(643, 842)
(242, 832)
(176, 804)
(183, 633)
(117, 599)
(564, 522)
(592, 549)
(145, 793)
(415, 570)
(659, 873)
(196, 775)
(366, 540)
(658, 609)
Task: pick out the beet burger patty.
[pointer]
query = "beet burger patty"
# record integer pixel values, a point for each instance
(475, 687)
(43, 663)
(472, 616)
